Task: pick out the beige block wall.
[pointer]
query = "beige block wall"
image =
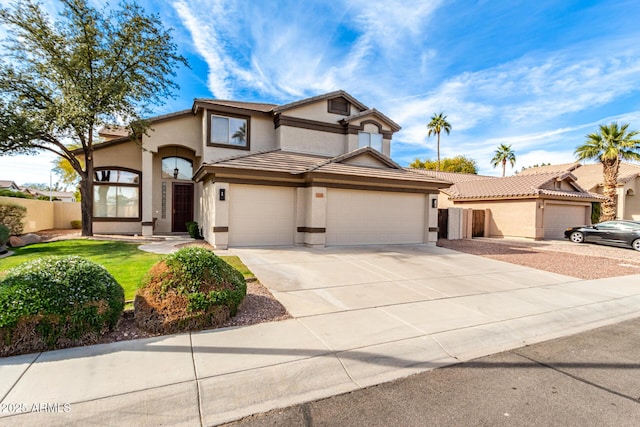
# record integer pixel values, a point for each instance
(45, 215)
(311, 141)
(510, 218)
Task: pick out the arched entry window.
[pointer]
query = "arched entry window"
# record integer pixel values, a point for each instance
(177, 168)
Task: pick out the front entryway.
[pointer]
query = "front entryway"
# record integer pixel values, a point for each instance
(182, 206)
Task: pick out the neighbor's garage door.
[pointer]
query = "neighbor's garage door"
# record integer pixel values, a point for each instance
(374, 217)
(557, 218)
(261, 215)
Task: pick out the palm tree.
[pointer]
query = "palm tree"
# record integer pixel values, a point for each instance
(502, 155)
(610, 145)
(438, 124)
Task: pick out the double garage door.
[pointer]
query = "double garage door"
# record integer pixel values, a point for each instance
(265, 216)
(558, 217)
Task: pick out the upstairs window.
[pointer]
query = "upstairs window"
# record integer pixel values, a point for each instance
(229, 131)
(373, 140)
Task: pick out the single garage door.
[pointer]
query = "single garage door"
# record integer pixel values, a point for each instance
(374, 217)
(261, 215)
(557, 218)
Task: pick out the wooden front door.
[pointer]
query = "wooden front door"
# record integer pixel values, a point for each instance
(182, 206)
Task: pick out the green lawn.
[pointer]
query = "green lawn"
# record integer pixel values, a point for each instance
(126, 263)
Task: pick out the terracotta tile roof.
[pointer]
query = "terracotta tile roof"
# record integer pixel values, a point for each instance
(452, 176)
(590, 176)
(298, 164)
(570, 167)
(517, 186)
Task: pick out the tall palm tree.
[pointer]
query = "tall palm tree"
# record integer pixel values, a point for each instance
(502, 155)
(610, 145)
(438, 124)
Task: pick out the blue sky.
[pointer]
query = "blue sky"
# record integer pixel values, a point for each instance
(537, 75)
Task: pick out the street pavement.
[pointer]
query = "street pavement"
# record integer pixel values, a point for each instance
(588, 379)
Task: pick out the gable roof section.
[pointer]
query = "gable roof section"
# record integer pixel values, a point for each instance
(452, 176)
(375, 113)
(314, 99)
(565, 167)
(518, 186)
(590, 176)
(241, 105)
(301, 168)
(10, 185)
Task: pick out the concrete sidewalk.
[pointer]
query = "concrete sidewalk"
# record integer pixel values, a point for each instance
(215, 376)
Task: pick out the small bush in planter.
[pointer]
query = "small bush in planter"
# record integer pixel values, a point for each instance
(194, 230)
(76, 224)
(191, 289)
(12, 216)
(57, 302)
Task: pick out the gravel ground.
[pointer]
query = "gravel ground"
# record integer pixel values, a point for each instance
(583, 261)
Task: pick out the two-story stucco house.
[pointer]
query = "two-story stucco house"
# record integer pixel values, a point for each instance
(313, 172)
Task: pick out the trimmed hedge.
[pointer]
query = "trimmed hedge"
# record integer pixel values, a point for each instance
(57, 302)
(12, 216)
(4, 235)
(191, 289)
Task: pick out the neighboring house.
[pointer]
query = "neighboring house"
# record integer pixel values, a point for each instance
(9, 185)
(63, 196)
(314, 172)
(590, 178)
(535, 206)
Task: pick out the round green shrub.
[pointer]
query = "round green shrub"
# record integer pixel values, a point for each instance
(190, 289)
(76, 224)
(4, 235)
(56, 302)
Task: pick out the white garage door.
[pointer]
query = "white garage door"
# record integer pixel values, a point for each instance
(374, 217)
(558, 218)
(261, 215)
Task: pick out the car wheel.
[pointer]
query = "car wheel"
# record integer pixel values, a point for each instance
(636, 244)
(577, 237)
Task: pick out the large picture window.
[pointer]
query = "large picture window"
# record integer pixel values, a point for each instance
(229, 131)
(373, 140)
(116, 194)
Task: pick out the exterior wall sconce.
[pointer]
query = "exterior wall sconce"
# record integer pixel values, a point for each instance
(176, 170)
(223, 194)
(434, 203)
(175, 173)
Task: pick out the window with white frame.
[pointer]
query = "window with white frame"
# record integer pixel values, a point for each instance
(373, 140)
(229, 131)
(116, 194)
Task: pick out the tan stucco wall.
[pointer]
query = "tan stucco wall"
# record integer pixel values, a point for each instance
(185, 131)
(126, 155)
(318, 111)
(117, 227)
(510, 218)
(632, 200)
(45, 215)
(311, 141)
(365, 160)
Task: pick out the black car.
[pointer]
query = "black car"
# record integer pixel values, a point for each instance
(618, 233)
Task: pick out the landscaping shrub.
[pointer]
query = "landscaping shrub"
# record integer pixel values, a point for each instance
(76, 224)
(12, 216)
(194, 230)
(57, 302)
(4, 237)
(191, 289)
(16, 194)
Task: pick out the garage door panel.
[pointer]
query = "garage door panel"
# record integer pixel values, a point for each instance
(374, 217)
(557, 218)
(261, 215)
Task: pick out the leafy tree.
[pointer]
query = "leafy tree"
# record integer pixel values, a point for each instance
(502, 155)
(61, 80)
(68, 175)
(610, 145)
(460, 164)
(438, 124)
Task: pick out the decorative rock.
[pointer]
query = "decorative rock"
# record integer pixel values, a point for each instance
(30, 239)
(16, 242)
